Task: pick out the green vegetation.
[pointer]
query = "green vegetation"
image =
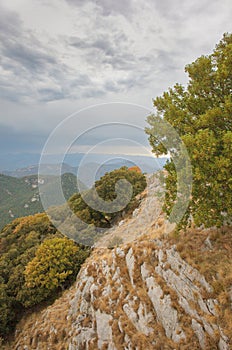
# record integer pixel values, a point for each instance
(15, 194)
(93, 223)
(56, 263)
(202, 116)
(105, 188)
(36, 263)
(20, 196)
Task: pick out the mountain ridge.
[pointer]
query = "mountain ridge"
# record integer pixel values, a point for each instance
(161, 290)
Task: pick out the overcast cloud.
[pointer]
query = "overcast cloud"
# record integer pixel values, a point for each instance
(61, 55)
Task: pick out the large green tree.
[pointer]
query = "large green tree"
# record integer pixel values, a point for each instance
(201, 113)
(83, 205)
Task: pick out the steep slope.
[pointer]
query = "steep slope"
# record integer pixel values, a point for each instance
(158, 291)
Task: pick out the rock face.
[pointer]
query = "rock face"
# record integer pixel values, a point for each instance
(141, 295)
(142, 302)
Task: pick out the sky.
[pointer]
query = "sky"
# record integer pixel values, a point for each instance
(62, 56)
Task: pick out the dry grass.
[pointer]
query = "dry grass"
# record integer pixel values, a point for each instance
(36, 328)
(215, 263)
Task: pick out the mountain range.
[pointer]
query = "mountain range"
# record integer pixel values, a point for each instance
(25, 164)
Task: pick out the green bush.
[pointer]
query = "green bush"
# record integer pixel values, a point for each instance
(21, 244)
(55, 265)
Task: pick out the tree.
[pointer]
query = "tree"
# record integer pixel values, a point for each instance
(56, 264)
(202, 116)
(105, 189)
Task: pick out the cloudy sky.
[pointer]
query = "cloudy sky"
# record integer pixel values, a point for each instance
(59, 56)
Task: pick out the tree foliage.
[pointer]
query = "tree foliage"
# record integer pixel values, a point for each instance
(202, 115)
(105, 188)
(56, 263)
(21, 246)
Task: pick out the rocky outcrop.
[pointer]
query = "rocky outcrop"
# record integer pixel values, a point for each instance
(151, 299)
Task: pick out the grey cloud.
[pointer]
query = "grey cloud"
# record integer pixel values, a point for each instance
(27, 64)
(105, 57)
(79, 43)
(33, 71)
(111, 49)
(120, 6)
(174, 10)
(167, 61)
(111, 86)
(30, 58)
(9, 22)
(94, 93)
(123, 7)
(24, 60)
(105, 46)
(122, 61)
(107, 132)
(82, 80)
(19, 47)
(47, 95)
(101, 43)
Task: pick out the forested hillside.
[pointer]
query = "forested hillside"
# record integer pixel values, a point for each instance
(20, 196)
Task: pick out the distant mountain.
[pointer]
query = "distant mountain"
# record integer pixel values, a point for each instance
(11, 161)
(20, 196)
(27, 164)
(45, 169)
(96, 168)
